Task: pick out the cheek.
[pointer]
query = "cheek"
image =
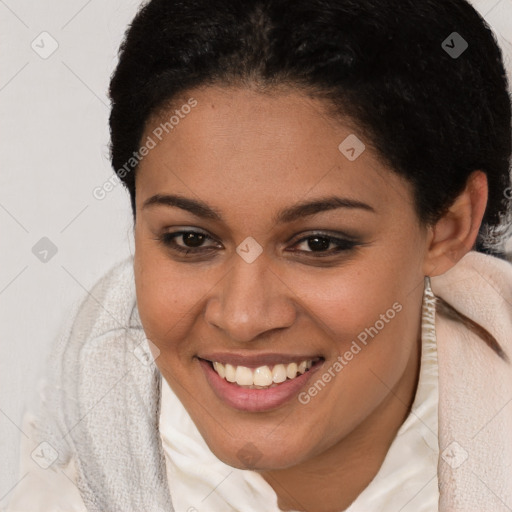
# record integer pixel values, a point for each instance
(349, 301)
(371, 315)
(168, 294)
(371, 336)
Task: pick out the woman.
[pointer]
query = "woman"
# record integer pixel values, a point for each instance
(309, 181)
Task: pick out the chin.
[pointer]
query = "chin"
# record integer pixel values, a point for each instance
(260, 456)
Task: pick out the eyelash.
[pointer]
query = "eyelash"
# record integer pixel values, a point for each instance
(343, 245)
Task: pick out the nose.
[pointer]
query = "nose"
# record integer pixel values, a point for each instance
(250, 301)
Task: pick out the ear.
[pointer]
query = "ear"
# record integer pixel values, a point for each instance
(455, 233)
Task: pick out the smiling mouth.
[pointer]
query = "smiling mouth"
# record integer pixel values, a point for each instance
(263, 377)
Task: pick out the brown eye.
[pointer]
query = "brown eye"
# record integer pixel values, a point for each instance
(192, 241)
(320, 243)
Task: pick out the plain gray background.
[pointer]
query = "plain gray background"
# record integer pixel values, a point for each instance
(53, 153)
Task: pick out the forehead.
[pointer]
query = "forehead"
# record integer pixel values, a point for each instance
(252, 148)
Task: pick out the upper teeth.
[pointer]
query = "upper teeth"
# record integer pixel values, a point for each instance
(263, 375)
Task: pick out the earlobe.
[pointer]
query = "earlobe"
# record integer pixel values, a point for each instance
(455, 233)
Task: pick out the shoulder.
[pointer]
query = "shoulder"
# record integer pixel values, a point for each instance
(480, 287)
(104, 317)
(99, 375)
(477, 273)
(108, 306)
(110, 302)
(43, 485)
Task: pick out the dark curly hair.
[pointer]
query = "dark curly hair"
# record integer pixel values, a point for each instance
(433, 117)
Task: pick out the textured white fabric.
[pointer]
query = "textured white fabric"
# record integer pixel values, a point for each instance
(43, 490)
(475, 409)
(101, 405)
(406, 481)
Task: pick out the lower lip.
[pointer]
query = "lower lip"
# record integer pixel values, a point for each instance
(256, 400)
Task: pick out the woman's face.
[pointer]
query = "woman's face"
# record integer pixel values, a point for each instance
(299, 251)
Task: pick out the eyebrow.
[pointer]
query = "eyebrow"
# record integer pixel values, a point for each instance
(290, 214)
